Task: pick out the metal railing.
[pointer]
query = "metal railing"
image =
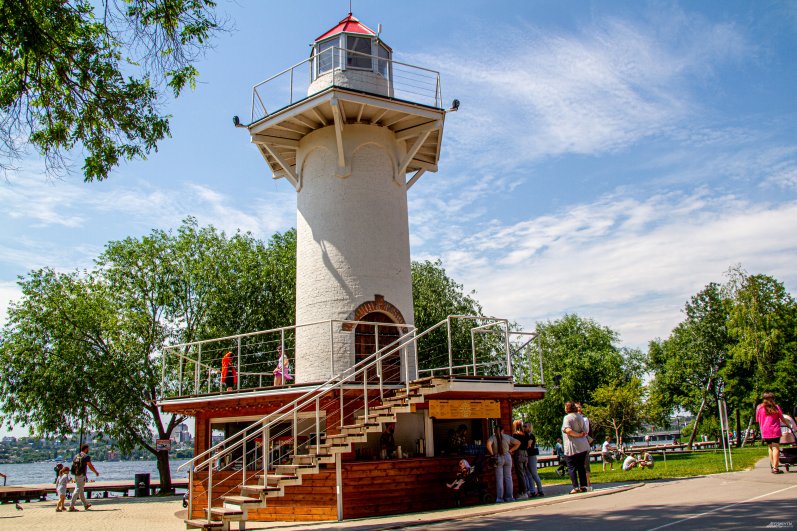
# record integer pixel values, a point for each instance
(261, 359)
(331, 67)
(281, 435)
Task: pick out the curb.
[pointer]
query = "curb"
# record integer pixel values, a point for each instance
(508, 507)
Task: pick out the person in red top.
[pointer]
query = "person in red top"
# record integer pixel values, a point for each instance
(228, 373)
(768, 415)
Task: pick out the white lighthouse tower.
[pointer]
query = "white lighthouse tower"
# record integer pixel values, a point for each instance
(355, 133)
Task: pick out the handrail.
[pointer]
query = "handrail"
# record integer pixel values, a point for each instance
(295, 404)
(264, 426)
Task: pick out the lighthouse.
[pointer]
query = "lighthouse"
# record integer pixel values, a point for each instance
(352, 130)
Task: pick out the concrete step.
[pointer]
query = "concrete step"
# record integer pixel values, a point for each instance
(225, 513)
(241, 501)
(260, 490)
(282, 479)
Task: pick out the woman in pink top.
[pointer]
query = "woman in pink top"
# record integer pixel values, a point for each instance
(768, 415)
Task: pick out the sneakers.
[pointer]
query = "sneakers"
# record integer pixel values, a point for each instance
(541, 494)
(523, 496)
(88, 506)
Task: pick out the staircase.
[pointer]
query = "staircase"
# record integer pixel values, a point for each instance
(254, 494)
(237, 489)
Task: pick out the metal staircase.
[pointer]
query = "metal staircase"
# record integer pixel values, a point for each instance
(246, 475)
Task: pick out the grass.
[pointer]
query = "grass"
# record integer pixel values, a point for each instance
(678, 465)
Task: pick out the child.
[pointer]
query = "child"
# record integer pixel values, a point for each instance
(462, 473)
(60, 488)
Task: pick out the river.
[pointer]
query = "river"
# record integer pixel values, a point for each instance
(38, 473)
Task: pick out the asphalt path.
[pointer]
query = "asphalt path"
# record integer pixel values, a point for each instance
(754, 499)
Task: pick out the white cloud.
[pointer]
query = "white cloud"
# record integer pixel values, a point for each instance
(628, 263)
(530, 93)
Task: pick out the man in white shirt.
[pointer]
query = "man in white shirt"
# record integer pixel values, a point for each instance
(607, 453)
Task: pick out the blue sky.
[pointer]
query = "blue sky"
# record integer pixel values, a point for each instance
(608, 159)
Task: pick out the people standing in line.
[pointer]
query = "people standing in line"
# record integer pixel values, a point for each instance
(533, 451)
(607, 453)
(768, 415)
(60, 488)
(229, 375)
(576, 447)
(589, 440)
(80, 464)
(520, 460)
(502, 446)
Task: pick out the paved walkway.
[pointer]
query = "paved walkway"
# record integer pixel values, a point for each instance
(750, 499)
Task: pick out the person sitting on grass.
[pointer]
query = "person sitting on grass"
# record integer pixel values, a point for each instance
(645, 460)
(462, 473)
(629, 463)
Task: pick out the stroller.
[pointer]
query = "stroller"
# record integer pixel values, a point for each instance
(788, 456)
(474, 484)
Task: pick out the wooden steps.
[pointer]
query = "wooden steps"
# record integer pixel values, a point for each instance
(273, 485)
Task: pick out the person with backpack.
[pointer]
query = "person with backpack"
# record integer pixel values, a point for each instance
(80, 464)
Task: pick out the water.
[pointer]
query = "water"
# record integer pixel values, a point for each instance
(42, 472)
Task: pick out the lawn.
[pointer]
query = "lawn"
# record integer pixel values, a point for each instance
(678, 465)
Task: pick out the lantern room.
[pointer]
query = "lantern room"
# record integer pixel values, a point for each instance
(351, 55)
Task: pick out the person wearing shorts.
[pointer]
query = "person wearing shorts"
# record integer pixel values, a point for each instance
(769, 415)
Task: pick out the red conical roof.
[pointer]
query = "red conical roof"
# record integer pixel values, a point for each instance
(350, 24)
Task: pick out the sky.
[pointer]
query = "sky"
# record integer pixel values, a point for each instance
(608, 159)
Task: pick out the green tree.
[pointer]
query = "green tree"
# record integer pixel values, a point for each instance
(436, 296)
(618, 407)
(579, 356)
(687, 364)
(763, 323)
(83, 347)
(89, 76)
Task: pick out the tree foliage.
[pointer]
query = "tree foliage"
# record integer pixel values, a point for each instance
(88, 75)
(579, 356)
(736, 340)
(81, 347)
(617, 408)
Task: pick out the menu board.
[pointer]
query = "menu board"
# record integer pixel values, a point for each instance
(465, 409)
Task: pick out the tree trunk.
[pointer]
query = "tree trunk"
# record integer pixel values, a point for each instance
(696, 422)
(165, 472)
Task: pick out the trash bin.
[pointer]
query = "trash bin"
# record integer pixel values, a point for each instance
(142, 485)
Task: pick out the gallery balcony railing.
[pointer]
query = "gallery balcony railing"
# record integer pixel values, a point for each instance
(457, 345)
(331, 67)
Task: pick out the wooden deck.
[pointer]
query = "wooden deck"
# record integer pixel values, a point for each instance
(26, 493)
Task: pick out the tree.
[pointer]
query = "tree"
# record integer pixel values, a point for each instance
(579, 356)
(436, 296)
(688, 363)
(82, 347)
(617, 406)
(763, 323)
(75, 79)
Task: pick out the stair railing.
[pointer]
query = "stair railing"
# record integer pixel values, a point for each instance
(265, 425)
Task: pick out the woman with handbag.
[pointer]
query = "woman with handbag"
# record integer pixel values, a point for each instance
(576, 447)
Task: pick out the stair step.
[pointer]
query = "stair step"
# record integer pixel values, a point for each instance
(241, 500)
(271, 479)
(203, 524)
(358, 428)
(292, 469)
(261, 488)
(225, 513)
(304, 459)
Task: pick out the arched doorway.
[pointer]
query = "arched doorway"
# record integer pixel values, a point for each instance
(369, 337)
